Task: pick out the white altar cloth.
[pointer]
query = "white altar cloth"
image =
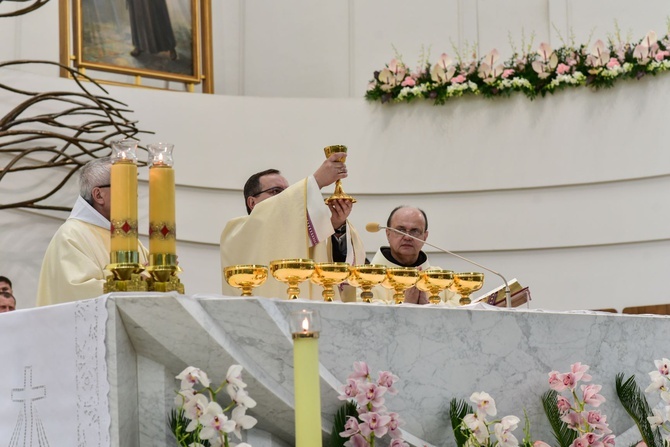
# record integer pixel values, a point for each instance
(54, 376)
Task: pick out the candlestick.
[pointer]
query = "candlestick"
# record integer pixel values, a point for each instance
(305, 326)
(162, 224)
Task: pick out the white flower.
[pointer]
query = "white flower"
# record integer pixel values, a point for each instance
(195, 409)
(215, 422)
(190, 376)
(657, 419)
(234, 376)
(184, 396)
(485, 403)
(242, 398)
(241, 421)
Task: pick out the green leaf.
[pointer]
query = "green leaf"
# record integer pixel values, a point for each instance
(177, 423)
(563, 434)
(637, 407)
(346, 410)
(457, 411)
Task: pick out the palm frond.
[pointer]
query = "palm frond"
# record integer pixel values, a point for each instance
(346, 410)
(177, 423)
(563, 434)
(637, 407)
(457, 411)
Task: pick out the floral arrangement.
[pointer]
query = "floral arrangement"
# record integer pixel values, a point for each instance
(370, 419)
(200, 421)
(531, 72)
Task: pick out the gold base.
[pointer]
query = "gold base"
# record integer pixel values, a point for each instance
(163, 269)
(339, 194)
(125, 275)
(135, 283)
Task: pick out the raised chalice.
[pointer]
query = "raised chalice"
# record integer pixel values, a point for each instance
(292, 272)
(466, 283)
(327, 275)
(245, 277)
(339, 193)
(400, 279)
(434, 281)
(366, 277)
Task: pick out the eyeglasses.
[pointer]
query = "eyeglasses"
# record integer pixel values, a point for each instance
(414, 232)
(103, 186)
(271, 191)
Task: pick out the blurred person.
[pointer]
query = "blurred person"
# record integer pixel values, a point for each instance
(5, 285)
(7, 302)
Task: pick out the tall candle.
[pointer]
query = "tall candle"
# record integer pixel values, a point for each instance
(162, 226)
(306, 379)
(123, 210)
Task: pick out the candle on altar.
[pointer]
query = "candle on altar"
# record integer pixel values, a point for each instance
(123, 210)
(162, 226)
(305, 327)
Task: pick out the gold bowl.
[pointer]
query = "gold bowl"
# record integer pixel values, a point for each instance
(400, 279)
(435, 281)
(292, 272)
(466, 283)
(327, 275)
(245, 277)
(366, 277)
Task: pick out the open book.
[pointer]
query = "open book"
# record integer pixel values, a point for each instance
(496, 297)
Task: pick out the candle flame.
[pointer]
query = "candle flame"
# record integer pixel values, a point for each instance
(305, 325)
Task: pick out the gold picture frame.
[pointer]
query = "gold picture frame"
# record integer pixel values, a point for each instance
(169, 40)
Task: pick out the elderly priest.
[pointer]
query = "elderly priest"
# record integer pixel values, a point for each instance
(291, 222)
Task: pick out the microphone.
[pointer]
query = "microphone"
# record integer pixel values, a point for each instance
(374, 227)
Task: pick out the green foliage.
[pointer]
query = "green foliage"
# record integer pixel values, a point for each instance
(637, 407)
(563, 434)
(177, 423)
(457, 411)
(346, 410)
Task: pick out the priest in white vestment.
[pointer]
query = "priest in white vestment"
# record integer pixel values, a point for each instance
(292, 222)
(403, 251)
(74, 263)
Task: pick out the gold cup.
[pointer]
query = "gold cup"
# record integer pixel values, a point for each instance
(435, 281)
(466, 283)
(339, 193)
(327, 275)
(245, 277)
(366, 277)
(400, 279)
(292, 272)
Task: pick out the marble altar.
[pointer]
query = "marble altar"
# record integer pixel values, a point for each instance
(439, 353)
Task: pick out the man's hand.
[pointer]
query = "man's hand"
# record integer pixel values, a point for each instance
(331, 170)
(339, 211)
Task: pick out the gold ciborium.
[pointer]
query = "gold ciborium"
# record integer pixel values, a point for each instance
(245, 277)
(435, 281)
(339, 193)
(366, 277)
(465, 284)
(327, 275)
(292, 272)
(400, 279)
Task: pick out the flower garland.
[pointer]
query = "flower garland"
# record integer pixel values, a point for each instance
(531, 73)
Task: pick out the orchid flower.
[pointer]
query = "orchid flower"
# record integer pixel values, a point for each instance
(241, 420)
(214, 422)
(374, 423)
(371, 394)
(591, 396)
(485, 403)
(190, 376)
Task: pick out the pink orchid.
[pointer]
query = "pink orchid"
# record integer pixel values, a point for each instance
(372, 394)
(591, 396)
(387, 379)
(458, 79)
(613, 62)
(593, 439)
(348, 391)
(357, 441)
(361, 371)
(350, 427)
(563, 404)
(569, 380)
(580, 442)
(663, 365)
(556, 381)
(394, 426)
(374, 423)
(408, 82)
(573, 420)
(608, 441)
(398, 443)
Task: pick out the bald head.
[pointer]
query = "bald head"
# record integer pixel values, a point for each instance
(409, 220)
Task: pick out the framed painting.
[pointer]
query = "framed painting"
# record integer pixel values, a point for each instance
(159, 39)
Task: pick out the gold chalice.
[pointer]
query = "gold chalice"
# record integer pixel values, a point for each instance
(292, 272)
(327, 275)
(366, 277)
(435, 281)
(245, 277)
(339, 193)
(466, 283)
(400, 279)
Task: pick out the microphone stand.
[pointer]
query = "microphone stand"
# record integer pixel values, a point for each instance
(508, 295)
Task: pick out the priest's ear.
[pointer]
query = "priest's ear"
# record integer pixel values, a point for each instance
(251, 203)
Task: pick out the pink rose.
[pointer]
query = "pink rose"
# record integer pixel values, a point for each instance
(458, 79)
(613, 62)
(562, 69)
(408, 82)
(507, 73)
(661, 55)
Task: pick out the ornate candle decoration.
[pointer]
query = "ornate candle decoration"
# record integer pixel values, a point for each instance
(124, 254)
(162, 225)
(305, 326)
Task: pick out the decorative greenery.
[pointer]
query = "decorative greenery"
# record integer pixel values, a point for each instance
(562, 433)
(457, 411)
(347, 410)
(178, 422)
(530, 72)
(635, 404)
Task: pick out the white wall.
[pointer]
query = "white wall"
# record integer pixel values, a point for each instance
(567, 193)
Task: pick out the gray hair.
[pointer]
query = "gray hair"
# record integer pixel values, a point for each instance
(94, 173)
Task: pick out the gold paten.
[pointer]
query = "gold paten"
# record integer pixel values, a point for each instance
(245, 277)
(125, 277)
(339, 193)
(329, 274)
(366, 277)
(400, 279)
(435, 281)
(466, 283)
(292, 272)
(164, 270)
